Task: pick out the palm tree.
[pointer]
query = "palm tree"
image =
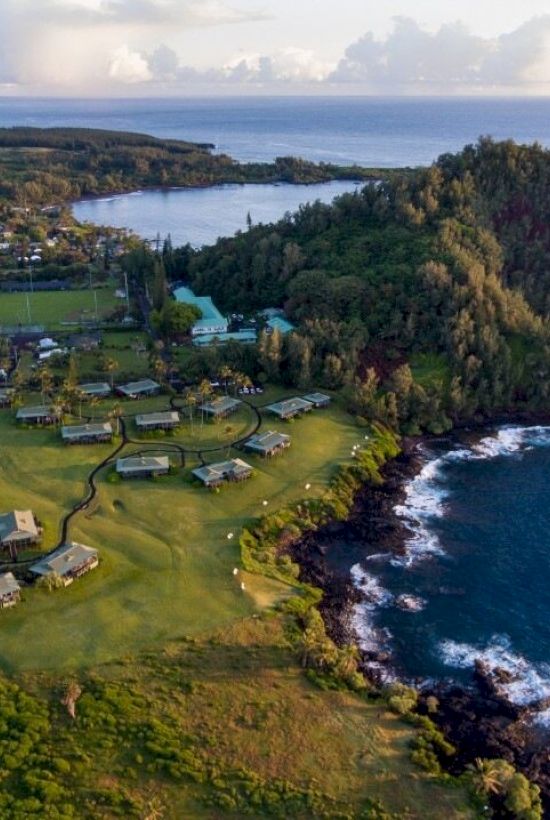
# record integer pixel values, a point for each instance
(46, 383)
(115, 413)
(191, 404)
(110, 365)
(226, 374)
(487, 775)
(205, 391)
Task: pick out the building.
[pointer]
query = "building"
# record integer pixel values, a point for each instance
(281, 324)
(158, 421)
(211, 321)
(99, 390)
(68, 562)
(268, 444)
(221, 408)
(242, 336)
(137, 390)
(289, 408)
(18, 529)
(87, 433)
(41, 414)
(214, 475)
(143, 466)
(318, 399)
(10, 591)
(5, 397)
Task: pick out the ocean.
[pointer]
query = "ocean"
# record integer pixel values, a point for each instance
(476, 570)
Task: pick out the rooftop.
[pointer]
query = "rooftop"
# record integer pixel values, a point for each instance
(139, 387)
(171, 416)
(143, 463)
(280, 324)
(221, 405)
(289, 406)
(268, 440)
(216, 472)
(95, 387)
(210, 313)
(222, 338)
(35, 412)
(64, 560)
(317, 398)
(8, 584)
(87, 430)
(17, 521)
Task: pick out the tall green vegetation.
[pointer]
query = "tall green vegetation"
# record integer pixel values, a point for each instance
(426, 296)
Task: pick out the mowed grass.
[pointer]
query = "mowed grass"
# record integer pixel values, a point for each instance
(166, 559)
(52, 309)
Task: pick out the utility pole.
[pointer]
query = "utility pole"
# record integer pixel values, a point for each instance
(127, 293)
(29, 309)
(95, 300)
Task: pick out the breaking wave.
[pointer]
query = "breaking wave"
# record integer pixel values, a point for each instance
(425, 495)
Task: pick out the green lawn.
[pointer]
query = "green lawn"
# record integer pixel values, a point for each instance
(430, 369)
(167, 563)
(51, 309)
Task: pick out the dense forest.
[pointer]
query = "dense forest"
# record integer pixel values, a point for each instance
(54, 165)
(424, 297)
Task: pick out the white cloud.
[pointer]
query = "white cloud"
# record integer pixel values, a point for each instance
(129, 67)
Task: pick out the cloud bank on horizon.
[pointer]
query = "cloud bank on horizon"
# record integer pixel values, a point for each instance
(146, 47)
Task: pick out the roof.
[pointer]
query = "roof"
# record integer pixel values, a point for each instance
(217, 472)
(17, 522)
(142, 464)
(170, 417)
(76, 431)
(38, 411)
(223, 338)
(294, 405)
(280, 324)
(210, 313)
(65, 559)
(95, 387)
(139, 387)
(317, 398)
(221, 405)
(267, 441)
(8, 584)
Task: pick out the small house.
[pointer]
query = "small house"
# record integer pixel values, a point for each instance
(10, 591)
(5, 397)
(214, 475)
(18, 529)
(143, 466)
(68, 562)
(221, 408)
(138, 390)
(158, 421)
(268, 444)
(99, 390)
(40, 414)
(318, 400)
(87, 433)
(290, 408)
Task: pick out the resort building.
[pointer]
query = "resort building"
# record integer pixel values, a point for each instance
(99, 390)
(242, 336)
(211, 321)
(143, 466)
(281, 324)
(68, 562)
(221, 408)
(18, 529)
(137, 390)
(289, 408)
(158, 421)
(10, 591)
(268, 444)
(41, 414)
(87, 433)
(214, 475)
(318, 400)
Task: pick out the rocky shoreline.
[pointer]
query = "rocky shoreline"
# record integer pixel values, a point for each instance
(479, 720)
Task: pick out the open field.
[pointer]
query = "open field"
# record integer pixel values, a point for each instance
(167, 564)
(51, 309)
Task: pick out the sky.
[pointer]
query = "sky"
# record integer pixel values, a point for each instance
(146, 48)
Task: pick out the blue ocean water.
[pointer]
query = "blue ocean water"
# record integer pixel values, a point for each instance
(371, 131)
(477, 569)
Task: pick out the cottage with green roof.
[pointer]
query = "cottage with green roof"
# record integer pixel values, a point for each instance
(137, 390)
(39, 415)
(143, 466)
(158, 421)
(87, 433)
(222, 407)
(99, 390)
(289, 408)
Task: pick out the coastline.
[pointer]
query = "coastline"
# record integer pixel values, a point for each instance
(478, 719)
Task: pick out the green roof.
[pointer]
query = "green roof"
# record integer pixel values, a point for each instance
(210, 313)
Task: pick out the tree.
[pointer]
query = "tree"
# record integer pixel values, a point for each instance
(175, 318)
(159, 290)
(110, 366)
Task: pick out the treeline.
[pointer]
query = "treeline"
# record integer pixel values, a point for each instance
(409, 295)
(44, 166)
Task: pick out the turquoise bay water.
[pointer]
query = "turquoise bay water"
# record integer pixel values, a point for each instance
(478, 562)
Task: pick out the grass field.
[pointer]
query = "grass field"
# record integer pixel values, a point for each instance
(51, 309)
(167, 563)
